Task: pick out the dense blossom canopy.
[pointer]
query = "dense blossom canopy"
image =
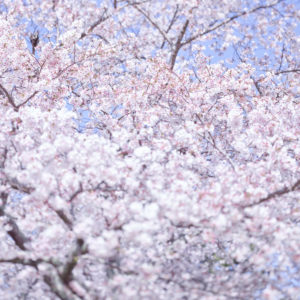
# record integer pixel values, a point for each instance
(182, 183)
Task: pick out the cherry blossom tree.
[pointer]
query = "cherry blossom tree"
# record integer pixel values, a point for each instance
(183, 183)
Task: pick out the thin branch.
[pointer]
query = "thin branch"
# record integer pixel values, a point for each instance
(171, 24)
(101, 20)
(28, 99)
(14, 232)
(288, 71)
(8, 96)
(58, 288)
(4, 157)
(95, 24)
(153, 23)
(21, 261)
(12, 101)
(15, 184)
(229, 20)
(283, 191)
(178, 44)
(257, 86)
(213, 143)
(281, 58)
(80, 190)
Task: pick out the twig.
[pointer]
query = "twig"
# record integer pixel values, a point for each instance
(229, 20)
(171, 24)
(153, 23)
(277, 193)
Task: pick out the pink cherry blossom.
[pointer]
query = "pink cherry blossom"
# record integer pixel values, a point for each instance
(149, 149)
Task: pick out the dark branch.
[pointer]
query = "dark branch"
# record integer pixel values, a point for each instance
(28, 99)
(34, 40)
(66, 274)
(61, 214)
(12, 101)
(288, 71)
(275, 194)
(8, 96)
(95, 24)
(178, 44)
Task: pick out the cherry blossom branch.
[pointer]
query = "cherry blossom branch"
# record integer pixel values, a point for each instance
(153, 23)
(283, 191)
(28, 99)
(281, 58)
(229, 20)
(257, 86)
(14, 232)
(61, 214)
(95, 24)
(15, 184)
(213, 143)
(66, 273)
(52, 277)
(27, 261)
(57, 287)
(178, 44)
(11, 100)
(4, 156)
(171, 23)
(59, 278)
(8, 96)
(34, 40)
(288, 71)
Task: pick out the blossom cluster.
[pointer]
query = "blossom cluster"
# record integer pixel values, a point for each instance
(183, 183)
